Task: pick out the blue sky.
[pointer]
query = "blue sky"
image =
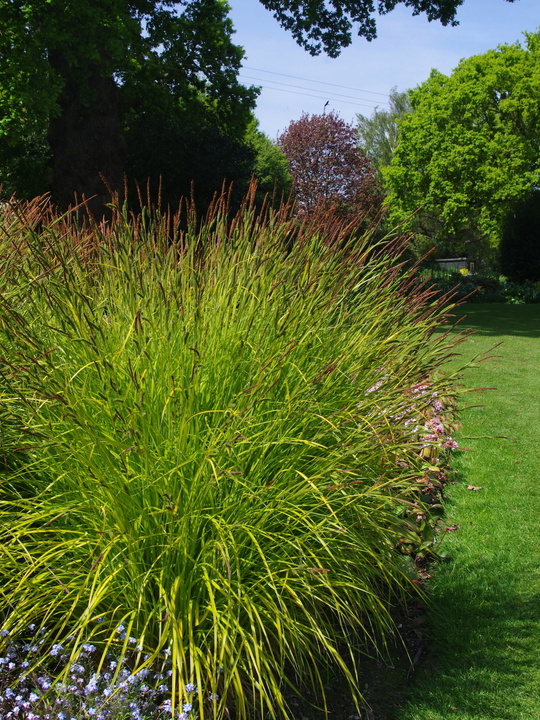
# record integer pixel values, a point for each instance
(403, 54)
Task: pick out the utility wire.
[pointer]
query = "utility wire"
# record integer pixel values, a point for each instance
(300, 87)
(319, 97)
(320, 82)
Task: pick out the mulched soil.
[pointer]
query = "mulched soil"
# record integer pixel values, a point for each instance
(385, 683)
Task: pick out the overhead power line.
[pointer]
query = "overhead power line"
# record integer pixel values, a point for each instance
(319, 97)
(320, 82)
(301, 87)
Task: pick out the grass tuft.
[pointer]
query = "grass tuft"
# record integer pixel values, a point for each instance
(209, 437)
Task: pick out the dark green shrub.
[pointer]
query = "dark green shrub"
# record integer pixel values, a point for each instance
(520, 244)
(472, 287)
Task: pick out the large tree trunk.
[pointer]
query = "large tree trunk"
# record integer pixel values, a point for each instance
(86, 141)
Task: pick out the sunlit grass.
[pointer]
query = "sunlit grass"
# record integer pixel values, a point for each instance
(485, 608)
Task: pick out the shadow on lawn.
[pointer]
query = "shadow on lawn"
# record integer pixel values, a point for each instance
(500, 319)
(484, 620)
(489, 637)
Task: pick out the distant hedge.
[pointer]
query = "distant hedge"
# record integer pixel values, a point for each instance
(520, 244)
(486, 288)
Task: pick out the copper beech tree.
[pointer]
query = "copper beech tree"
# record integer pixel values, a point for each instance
(328, 169)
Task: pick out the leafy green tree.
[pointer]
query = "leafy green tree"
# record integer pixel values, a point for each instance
(25, 165)
(270, 167)
(64, 65)
(70, 73)
(319, 26)
(470, 148)
(185, 146)
(378, 133)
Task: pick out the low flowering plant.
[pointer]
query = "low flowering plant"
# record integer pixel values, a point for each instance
(31, 687)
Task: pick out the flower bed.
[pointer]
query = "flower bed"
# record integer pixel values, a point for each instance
(225, 438)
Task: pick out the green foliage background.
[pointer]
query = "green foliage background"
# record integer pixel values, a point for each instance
(469, 149)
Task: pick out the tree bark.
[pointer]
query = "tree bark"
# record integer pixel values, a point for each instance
(86, 141)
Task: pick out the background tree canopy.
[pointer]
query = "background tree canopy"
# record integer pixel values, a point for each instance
(329, 170)
(81, 78)
(470, 148)
(84, 85)
(519, 254)
(378, 133)
(318, 25)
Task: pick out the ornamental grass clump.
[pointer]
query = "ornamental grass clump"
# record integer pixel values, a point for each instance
(209, 440)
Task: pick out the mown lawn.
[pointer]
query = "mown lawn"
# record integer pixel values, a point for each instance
(484, 659)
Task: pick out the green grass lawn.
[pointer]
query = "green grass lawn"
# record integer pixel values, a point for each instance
(484, 659)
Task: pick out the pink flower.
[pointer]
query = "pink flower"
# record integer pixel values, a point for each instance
(375, 387)
(450, 444)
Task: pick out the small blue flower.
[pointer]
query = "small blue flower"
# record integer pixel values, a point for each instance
(91, 686)
(4, 632)
(89, 648)
(33, 697)
(190, 687)
(44, 683)
(187, 707)
(167, 706)
(54, 650)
